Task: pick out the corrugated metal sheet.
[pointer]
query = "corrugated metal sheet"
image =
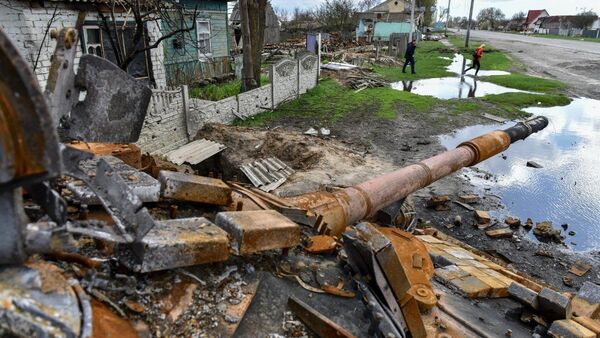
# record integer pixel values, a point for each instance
(195, 152)
(267, 174)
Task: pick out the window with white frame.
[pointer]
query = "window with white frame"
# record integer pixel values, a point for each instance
(203, 36)
(92, 39)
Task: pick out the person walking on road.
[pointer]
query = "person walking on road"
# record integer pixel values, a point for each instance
(477, 55)
(409, 56)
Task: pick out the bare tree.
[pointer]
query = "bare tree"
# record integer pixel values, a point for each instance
(337, 15)
(490, 16)
(519, 16)
(136, 15)
(365, 5)
(427, 5)
(584, 19)
(253, 18)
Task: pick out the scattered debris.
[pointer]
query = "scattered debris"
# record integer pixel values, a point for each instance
(195, 152)
(321, 244)
(464, 205)
(545, 231)
(267, 174)
(568, 281)
(580, 268)
(439, 203)
(500, 233)
(494, 118)
(338, 290)
(317, 322)
(469, 199)
(482, 217)
(533, 164)
(512, 222)
(192, 188)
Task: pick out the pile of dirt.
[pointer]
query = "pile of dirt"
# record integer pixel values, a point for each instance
(318, 161)
(297, 153)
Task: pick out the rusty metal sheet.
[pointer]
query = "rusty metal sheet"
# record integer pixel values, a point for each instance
(192, 188)
(316, 321)
(259, 230)
(28, 140)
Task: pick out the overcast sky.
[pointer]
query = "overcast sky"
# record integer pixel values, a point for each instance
(461, 7)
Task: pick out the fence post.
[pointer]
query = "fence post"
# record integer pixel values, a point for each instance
(298, 78)
(272, 78)
(185, 101)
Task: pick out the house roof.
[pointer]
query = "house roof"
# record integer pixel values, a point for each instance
(533, 14)
(384, 6)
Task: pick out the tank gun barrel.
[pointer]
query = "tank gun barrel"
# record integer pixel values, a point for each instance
(353, 204)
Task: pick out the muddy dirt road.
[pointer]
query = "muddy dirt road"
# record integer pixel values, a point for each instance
(574, 62)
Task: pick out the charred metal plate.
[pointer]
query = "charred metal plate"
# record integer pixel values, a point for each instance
(144, 186)
(177, 243)
(28, 141)
(38, 301)
(114, 107)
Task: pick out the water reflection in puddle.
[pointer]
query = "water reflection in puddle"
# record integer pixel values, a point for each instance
(452, 87)
(455, 87)
(567, 188)
(457, 66)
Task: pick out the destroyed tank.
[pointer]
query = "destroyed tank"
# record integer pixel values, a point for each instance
(33, 162)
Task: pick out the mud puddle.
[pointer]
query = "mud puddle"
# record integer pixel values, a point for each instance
(566, 189)
(446, 88)
(459, 63)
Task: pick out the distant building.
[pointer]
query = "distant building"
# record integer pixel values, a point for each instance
(532, 16)
(566, 25)
(390, 11)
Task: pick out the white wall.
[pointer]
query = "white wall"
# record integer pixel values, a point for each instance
(26, 24)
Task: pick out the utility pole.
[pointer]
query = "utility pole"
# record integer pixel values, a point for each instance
(447, 17)
(412, 21)
(469, 24)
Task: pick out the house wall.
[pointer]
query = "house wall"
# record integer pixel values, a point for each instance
(187, 64)
(174, 121)
(25, 23)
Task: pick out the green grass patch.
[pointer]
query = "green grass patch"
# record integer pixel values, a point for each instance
(329, 102)
(517, 101)
(428, 63)
(526, 82)
(220, 91)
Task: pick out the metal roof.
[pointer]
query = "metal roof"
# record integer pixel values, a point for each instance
(267, 174)
(195, 152)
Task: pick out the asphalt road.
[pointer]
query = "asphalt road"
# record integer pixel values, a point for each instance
(574, 62)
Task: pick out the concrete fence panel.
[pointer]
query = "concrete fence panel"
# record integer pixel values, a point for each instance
(255, 101)
(165, 126)
(308, 72)
(284, 80)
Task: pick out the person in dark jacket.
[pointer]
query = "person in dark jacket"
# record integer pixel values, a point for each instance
(409, 56)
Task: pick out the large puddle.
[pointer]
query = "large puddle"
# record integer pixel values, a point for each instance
(446, 88)
(567, 189)
(458, 87)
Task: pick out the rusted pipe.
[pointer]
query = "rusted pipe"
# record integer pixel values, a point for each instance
(350, 205)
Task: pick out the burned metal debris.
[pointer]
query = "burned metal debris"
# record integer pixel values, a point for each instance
(165, 238)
